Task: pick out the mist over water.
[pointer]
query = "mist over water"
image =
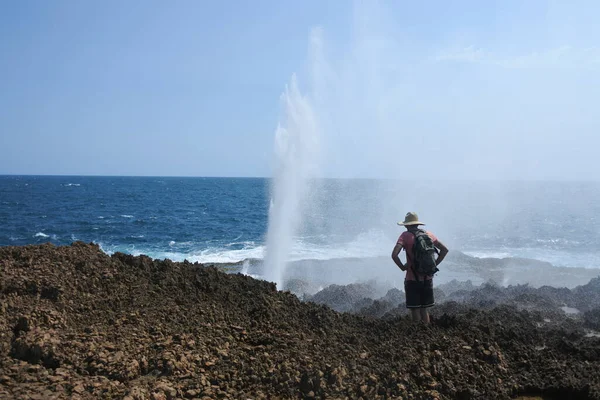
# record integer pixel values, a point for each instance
(434, 143)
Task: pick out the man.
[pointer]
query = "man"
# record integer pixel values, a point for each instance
(418, 289)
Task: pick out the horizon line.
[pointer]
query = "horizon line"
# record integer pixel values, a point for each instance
(270, 177)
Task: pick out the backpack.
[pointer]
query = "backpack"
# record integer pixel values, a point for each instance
(424, 254)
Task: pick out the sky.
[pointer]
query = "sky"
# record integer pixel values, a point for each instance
(471, 89)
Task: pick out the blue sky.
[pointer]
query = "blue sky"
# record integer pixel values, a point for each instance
(483, 90)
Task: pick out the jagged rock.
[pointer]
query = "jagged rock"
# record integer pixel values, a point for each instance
(343, 298)
(131, 327)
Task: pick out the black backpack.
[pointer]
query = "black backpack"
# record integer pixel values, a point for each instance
(424, 254)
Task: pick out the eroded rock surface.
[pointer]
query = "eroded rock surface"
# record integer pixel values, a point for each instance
(76, 323)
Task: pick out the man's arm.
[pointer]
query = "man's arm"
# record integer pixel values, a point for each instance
(396, 258)
(443, 251)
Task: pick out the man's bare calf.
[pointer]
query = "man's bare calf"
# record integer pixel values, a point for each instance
(419, 314)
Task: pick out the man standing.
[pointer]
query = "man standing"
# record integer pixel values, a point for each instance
(418, 288)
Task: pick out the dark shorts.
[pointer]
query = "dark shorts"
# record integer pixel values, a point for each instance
(419, 294)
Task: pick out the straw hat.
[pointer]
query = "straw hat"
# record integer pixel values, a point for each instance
(411, 218)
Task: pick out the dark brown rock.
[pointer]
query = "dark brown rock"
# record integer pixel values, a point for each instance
(76, 323)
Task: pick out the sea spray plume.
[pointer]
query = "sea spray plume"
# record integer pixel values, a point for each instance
(296, 148)
(341, 118)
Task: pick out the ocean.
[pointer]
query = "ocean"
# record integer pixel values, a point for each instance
(225, 220)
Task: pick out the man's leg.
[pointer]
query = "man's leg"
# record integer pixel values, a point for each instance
(427, 300)
(413, 299)
(415, 314)
(424, 315)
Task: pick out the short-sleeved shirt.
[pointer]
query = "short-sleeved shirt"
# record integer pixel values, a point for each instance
(407, 240)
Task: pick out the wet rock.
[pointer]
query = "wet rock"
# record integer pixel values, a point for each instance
(592, 319)
(343, 298)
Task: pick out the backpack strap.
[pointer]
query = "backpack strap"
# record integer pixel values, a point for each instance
(412, 264)
(421, 230)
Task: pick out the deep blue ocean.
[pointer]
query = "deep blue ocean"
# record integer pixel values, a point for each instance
(162, 217)
(225, 220)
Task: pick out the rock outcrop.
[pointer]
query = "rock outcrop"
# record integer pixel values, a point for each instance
(77, 323)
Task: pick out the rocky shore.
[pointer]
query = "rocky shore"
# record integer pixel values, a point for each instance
(77, 323)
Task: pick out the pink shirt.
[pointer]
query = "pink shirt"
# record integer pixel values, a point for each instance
(407, 240)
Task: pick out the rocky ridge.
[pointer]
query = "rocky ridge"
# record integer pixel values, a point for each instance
(77, 323)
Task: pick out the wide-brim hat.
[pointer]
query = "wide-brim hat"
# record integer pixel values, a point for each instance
(411, 218)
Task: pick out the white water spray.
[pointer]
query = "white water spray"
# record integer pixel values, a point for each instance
(296, 149)
(345, 120)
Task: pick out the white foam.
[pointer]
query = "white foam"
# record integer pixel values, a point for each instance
(367, 245)
(126, 216)
(370, 244)
(373, 243)
(208, 256)
(229, 256)
(72, 184)
(570, 310)
(558, 258)
(558, 241)
(487, 254)
(41, 234)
